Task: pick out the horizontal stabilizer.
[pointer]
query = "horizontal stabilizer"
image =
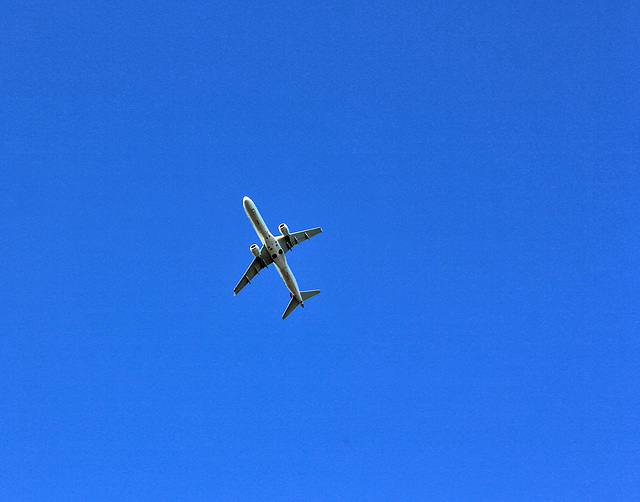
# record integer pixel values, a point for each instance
(294, 303)
(308, 294)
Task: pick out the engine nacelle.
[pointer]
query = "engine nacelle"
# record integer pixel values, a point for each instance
(255, 250)
(284, 229)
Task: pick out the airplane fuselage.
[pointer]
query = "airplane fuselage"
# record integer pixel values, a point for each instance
(274, 248)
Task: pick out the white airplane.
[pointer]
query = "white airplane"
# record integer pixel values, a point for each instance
(272, 251)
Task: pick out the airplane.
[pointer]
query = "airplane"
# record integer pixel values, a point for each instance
(272, 251)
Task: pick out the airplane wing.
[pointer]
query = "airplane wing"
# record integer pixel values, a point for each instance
(288, 241)
(258, 263)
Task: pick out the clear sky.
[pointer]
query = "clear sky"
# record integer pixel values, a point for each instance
(475, 169)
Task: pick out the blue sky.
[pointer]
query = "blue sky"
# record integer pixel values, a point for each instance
(474, 167)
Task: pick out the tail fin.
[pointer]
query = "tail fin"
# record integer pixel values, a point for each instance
(294, 303)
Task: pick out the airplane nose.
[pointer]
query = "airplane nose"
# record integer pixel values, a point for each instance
(246, 201)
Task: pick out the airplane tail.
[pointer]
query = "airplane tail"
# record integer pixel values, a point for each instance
(294, 303)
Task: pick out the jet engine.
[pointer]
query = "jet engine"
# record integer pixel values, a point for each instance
(255, 250)
(284, 229)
